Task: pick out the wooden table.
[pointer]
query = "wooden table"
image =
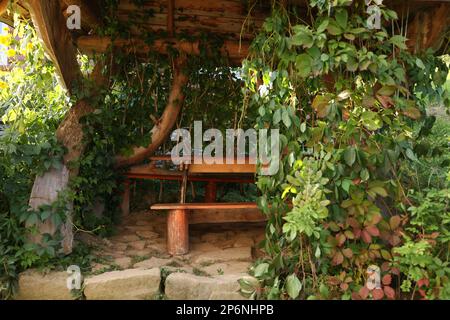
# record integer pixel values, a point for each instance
(207, 172)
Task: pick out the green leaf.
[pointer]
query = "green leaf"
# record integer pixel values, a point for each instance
(286, 118)
(293, 286)
(350, 156)
(277, 116)
(399, 41)
(333, 28)
(342, 18)
(261, 269)
(323, 25)
(321, 105)
(303, 63)
(420, 64)
(410, 154)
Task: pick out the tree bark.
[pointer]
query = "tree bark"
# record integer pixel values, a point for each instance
(162, 129)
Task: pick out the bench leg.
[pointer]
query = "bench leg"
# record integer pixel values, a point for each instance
(177, 232)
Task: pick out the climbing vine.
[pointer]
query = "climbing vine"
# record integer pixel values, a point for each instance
(347, 100)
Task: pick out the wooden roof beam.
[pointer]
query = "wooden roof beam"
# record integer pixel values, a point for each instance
(52, 29)
(93, 44)
(90, 12)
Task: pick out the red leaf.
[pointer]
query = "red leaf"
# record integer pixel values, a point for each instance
(366, 236)
(344, 286)
(334, 281)
(385, 266)
(387, 279)
(423, 282)
(338, 258)
(377, 294)
(389, 292)
(376, 219)
(353, 223)
(373, 231)
(356, 296)
(348, 253)
(395, 271)
(395, 240)
(364, 292)
(340, 239)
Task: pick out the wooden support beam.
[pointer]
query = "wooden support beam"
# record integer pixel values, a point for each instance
(51, 26)
(94, 44)
(90, 12)
(3, 6)
(428, 28)
(170, 17)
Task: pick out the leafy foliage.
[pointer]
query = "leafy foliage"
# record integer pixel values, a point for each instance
(352, 100)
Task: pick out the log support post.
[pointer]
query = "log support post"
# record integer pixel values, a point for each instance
(177, 232)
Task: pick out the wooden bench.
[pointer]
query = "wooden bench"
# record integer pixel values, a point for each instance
(180, 215)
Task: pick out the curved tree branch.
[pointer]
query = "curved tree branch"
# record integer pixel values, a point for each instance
(162, 129)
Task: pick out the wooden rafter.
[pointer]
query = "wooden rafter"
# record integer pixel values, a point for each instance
(93, 44)
(52, 29)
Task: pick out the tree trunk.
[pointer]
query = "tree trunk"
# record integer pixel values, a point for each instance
(162, 129)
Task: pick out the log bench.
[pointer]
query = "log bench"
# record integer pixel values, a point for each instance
(180, 215)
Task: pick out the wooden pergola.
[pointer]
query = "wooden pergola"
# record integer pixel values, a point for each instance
(236, 21)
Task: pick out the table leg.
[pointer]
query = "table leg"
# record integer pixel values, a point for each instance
(211, 192)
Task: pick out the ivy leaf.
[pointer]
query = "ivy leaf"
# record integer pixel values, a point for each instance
(377, 294)
(323, 25)
(394, 222)
(366, 237)
(342, 18)
(387, 91)
(303, 64)
(321, 105)
(350, 156)
(261, 269)
(387, 279)
(389, 292)
(420, 64)
(386, 255)
(373, 231)
(277, 116)
(411, 111)
(371, 120)
(303, 38)
(410, 154)
(293, 286)
(338, 258)
(333, 28)
(286, 118)
(399, 41)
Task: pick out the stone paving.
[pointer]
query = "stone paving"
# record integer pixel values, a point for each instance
(134, 263)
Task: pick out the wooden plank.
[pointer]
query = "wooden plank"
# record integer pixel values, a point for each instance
(226, 216)
(95, 44)
(51, 26)
(204, 206)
